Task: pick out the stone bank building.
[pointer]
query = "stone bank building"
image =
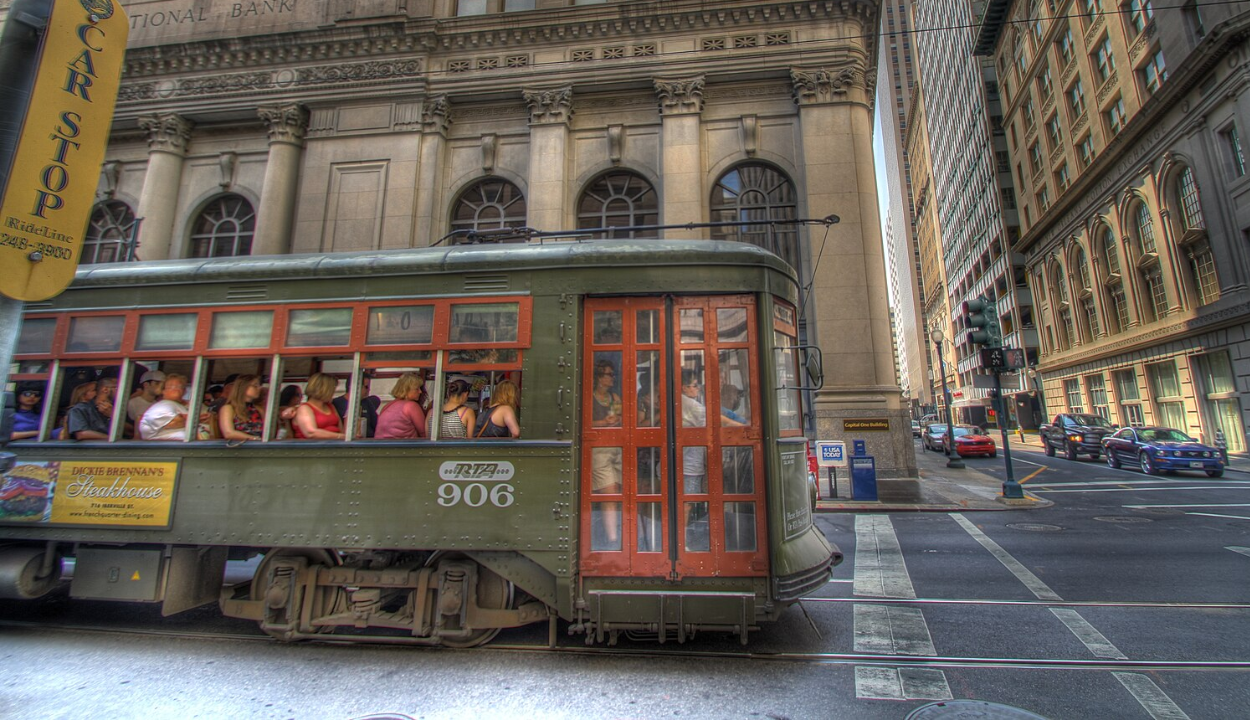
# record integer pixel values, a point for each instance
(293, 126)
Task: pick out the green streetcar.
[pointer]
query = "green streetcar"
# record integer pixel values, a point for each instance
(628, 503)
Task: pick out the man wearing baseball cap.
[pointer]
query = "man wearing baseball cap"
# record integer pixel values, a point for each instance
(153, 383)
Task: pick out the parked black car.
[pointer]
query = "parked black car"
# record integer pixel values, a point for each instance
(1074, 433)
(1161, 449)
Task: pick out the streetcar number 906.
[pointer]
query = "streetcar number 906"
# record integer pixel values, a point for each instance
(475, 494)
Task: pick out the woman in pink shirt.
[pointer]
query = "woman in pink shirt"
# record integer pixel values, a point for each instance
(403, 418)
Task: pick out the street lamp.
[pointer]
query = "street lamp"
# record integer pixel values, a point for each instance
(952, 453)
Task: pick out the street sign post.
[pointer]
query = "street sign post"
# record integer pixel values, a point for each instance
(54, 166)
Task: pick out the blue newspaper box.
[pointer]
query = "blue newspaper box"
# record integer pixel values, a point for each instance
(864, 478)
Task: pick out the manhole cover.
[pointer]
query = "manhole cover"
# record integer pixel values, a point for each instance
(1034, 527)
(1123, 519)
(969, 709)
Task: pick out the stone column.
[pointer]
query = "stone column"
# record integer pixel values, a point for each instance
(168, 137)
(275, 218)
(681, 200)
(850, 302)
(550, 111)
(435, 120)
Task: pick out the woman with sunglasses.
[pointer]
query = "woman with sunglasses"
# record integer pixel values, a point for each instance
(26, 419)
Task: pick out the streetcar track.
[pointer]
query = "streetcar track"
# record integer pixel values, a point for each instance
(897, 661)
(1037, 603)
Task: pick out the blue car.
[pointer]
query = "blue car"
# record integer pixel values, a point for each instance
(1161, 449)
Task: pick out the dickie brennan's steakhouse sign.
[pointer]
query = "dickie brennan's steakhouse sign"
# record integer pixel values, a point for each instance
(133, 494)
(56, 165)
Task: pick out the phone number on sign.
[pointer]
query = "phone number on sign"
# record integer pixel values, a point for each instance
(51, 251)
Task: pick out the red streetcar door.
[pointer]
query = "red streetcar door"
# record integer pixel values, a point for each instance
(673, 468)
(625, 498)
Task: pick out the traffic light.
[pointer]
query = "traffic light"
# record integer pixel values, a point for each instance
(981, 320)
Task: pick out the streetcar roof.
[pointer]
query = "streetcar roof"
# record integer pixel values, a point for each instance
(434, 260)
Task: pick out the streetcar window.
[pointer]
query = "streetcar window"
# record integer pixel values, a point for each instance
(319, 327)
(246, 329)
(167, 331)
(738, 470)
(698, 532)
(735, 385)
(650, 479)
(607, 327)
(484, 323)
(488, 356)
(648, 369)
(36, 337)
(605, 526)
(691, 323)
(740, 527)
(96, 333)
(731, 325)
(400, 325)
(606, 394)
(693, 409)
(650, 527)
(788, 407)
(647, 327)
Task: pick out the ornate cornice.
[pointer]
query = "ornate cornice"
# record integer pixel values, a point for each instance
(549, 106)
(286, 123)
(436, 115)
(167, 132)
(819, 86)
(682, 96)
(308, 77)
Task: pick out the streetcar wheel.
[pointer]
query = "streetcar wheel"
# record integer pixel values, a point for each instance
(1112, 461)
(1050, 449)
(1216, 473)
(1147, 465)
(493, 593)
(315, 556)
(1069, 451)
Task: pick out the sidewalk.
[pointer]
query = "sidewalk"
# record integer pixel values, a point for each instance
(942, 489)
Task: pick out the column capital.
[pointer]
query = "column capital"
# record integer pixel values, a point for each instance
(680, 96)
(436, 114)
(286, 123)
(817, 86)
(549, 106)
(167, 132)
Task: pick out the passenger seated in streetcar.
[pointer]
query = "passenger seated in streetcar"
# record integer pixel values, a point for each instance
(457, 417)
(499, 420)
(288, 403)
(241, 417)
(85, 421)
(316, 418)
(369, 405)
(403, 418)
(28, 416)
(167, 418)
(730, 395)
(151, 385)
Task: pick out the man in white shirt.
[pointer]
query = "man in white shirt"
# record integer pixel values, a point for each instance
(166, 419)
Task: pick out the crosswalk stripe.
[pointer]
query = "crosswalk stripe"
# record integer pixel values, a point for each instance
(1152, 699)
(1031, 581)
(1096, 642)
(1242, 550)
(886, 630)
(879, 567)
(879, 683)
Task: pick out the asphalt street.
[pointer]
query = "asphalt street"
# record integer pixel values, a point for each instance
(1119, 601)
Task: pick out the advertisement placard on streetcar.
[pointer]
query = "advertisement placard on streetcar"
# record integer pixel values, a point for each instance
(108, 493)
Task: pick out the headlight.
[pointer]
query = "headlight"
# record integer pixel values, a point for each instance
(1206, 454)
(1074, 438)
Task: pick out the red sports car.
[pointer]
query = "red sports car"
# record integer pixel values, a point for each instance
(972, 440)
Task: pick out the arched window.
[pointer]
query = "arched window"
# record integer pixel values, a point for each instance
(1063, 309)
(619, 199)
(224, 228)
(489, 205)
(758, 192)
(110, 234)
(1110, 252)
(1087, 325)
(1145, 229)
(1191, 208)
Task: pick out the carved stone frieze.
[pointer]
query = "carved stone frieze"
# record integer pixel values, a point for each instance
(357, 72)
(1080, 123)
(286, 123)
(436, 115)
(552, 105)
(1107, 86)
(1143, 39)
(222, 84)
(681, 96)
(167, 132)
(250, 82)
(823, 86)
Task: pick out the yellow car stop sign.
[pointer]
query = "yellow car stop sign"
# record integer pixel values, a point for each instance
(56, 165)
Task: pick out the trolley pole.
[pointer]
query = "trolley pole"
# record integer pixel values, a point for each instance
(1011, 488)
